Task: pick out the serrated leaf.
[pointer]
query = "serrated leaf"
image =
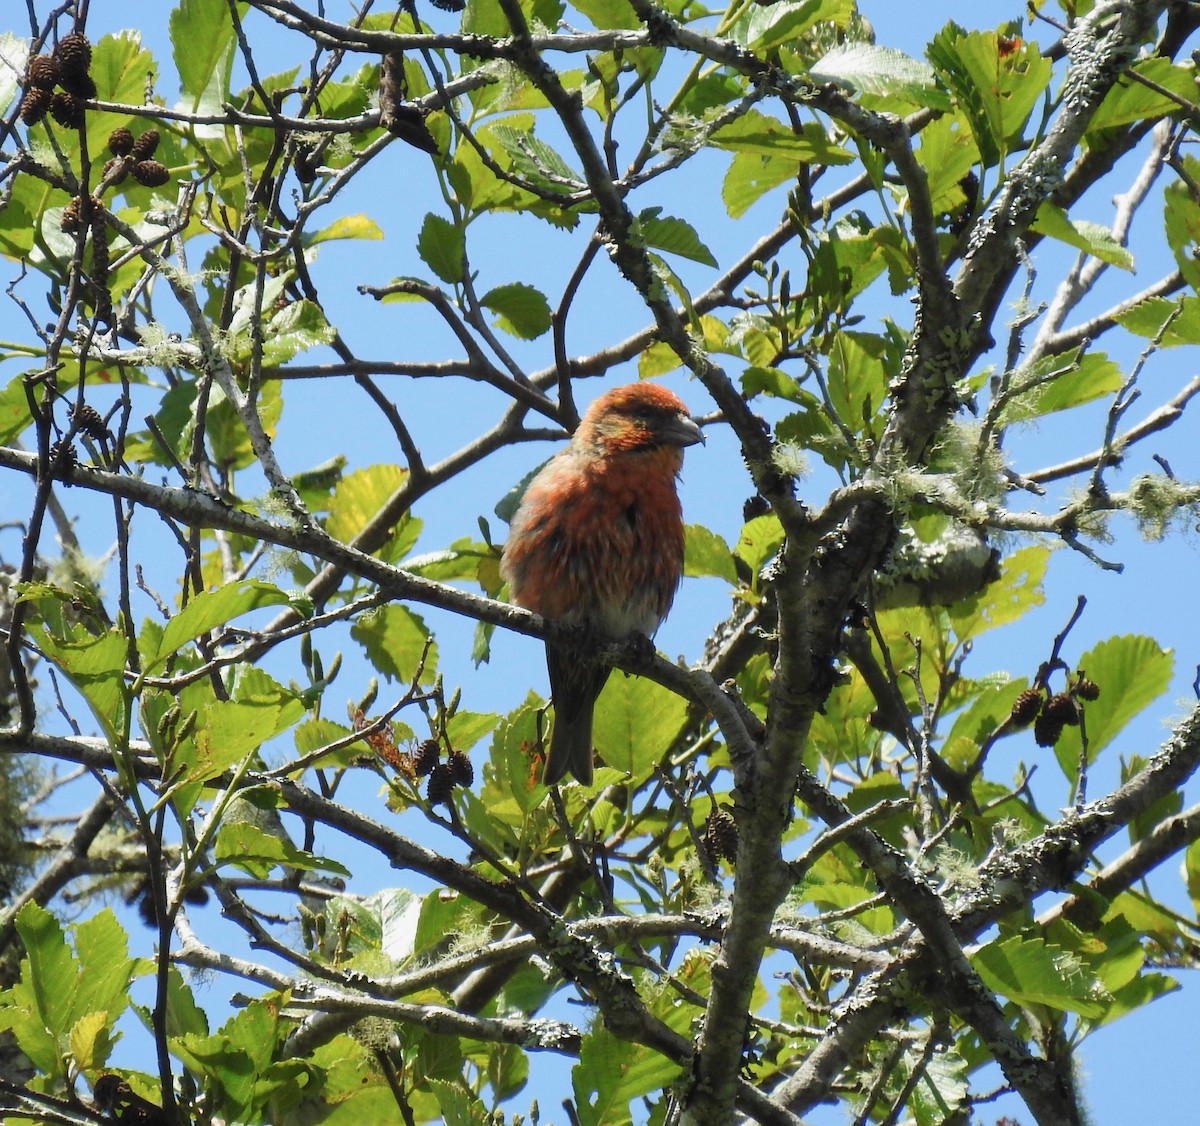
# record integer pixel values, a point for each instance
(612, 1073)
(91, 1041)
(659, 359)
(210, 609)
(105, 968)
(1091, 238)
(359, 496)
(764, 27)
(759, 542)
(522, 310)
(536, 160)
(1073, 380)
(757, 133)
(295, 328)
(1014, 594)
(14, 53)
(750, 176)
(442, 248)
(1131, 671)
(885, 71)
(995, 86)
(394, 639)
(257, 851)
(1032, 971)
(635, 721)
(1148, 318)
(676, 236)
(95, 665)
(706, 553)
(202, 43)
(347, 227)
(1132, 101)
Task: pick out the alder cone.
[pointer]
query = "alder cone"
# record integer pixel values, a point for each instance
(74, 54)
(1062, 708)
(441, 785)
(1026, 707)
(81, 85)
(34, 104)
(42, 72)
(721, 835)
(70, 458)
(425, 757)
(461, 769)
(1046, 729)
(150, 173)
(89, 421)
(67, 110)
(70, 216)
(144, 147)
(120, 141)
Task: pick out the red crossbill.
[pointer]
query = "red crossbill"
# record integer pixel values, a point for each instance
(598, 541)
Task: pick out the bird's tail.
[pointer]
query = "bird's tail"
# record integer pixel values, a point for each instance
(570, 751)
(575, 682)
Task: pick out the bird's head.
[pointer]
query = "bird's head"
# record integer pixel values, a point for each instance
(637, 418)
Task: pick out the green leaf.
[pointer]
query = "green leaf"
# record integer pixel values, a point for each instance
(658, 359)
(750, 176)
(613, 1073)
(705, 553)
(1014, 594)
(511, 776)
(359, 496)
(532, 158)
(465, 729)
(676, 236)
(1148, 318)
(1091, 238)
(48, 972)
(884, 71)
(1131, 671)
(105, 968)
(635, 722)
(347, 227)
(14, 53)
(1130, 100)
(394, 639)
(995, 86)
(91, 1041)
(757, 133)
(760, 541)
(210, 609)
(608, 14)
(764, 27)
(442, 248)
(227, 732)
(120, 66)
(202, 43)
(522, 310)
(257, 851)
(1032, 971)
(295, 328)
(95, 665)
(1058, 383)
(184, 1016)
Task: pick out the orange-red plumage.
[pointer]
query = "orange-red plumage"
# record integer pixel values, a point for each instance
(598, 540)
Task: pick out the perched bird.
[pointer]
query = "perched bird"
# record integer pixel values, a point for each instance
(598, 540)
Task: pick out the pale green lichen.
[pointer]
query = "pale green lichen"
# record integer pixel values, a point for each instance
(1157, 501)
